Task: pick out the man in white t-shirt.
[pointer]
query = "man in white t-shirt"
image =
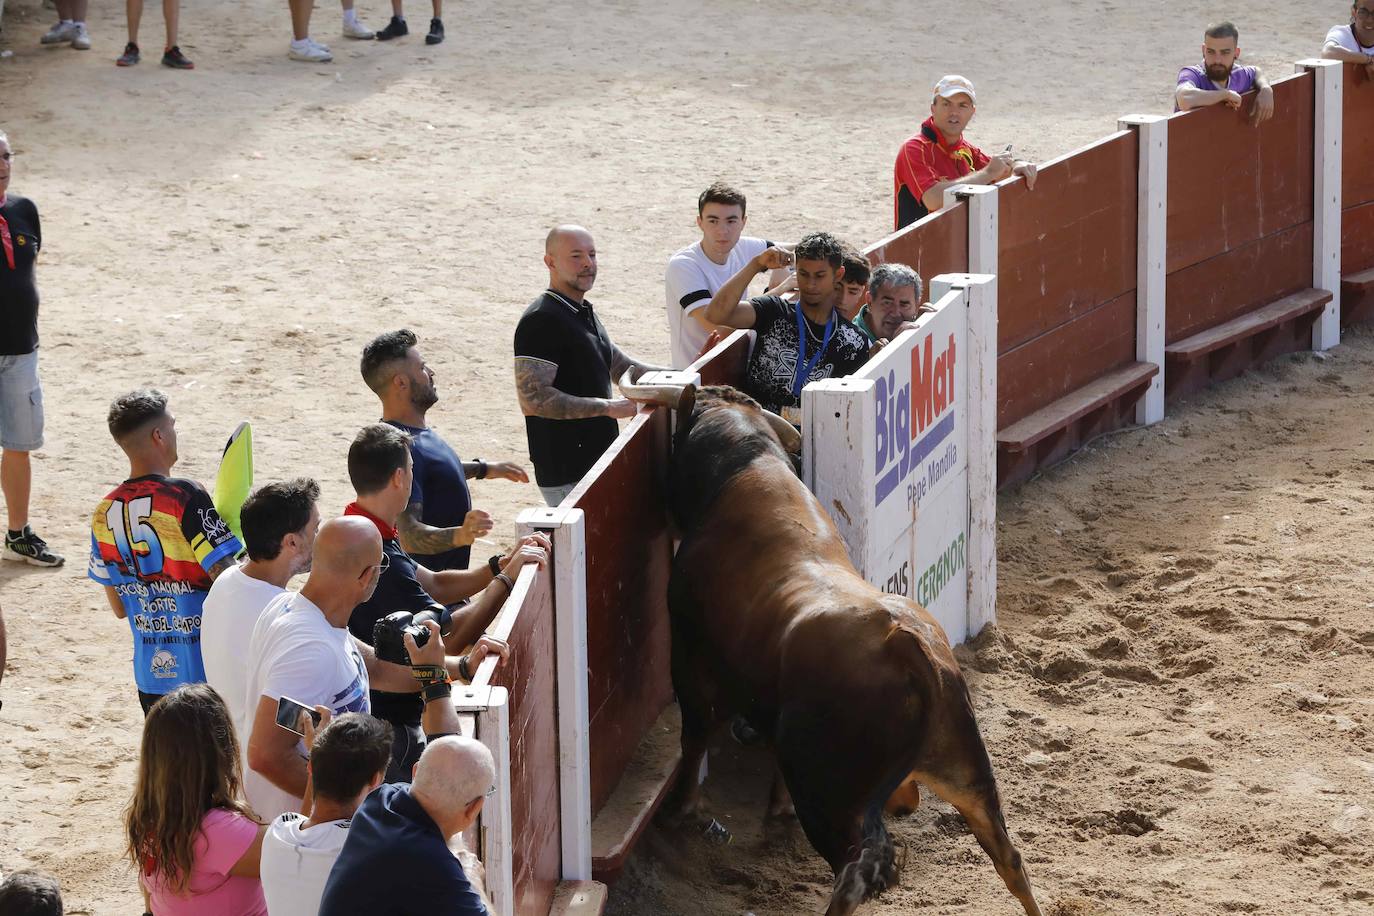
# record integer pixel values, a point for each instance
(1353, 43)
(696, 272)
(301, 648)
(348, 759)
(279, 523)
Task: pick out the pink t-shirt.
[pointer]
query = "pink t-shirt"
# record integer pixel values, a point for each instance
(223, 839)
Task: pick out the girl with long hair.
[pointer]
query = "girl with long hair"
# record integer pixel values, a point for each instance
(194, 842)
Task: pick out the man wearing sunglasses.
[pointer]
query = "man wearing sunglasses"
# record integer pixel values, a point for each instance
(1353, 43)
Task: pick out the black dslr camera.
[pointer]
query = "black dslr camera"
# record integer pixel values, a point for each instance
(388, 633)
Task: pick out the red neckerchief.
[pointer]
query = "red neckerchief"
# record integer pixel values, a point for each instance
(387, 532)
(5, 241)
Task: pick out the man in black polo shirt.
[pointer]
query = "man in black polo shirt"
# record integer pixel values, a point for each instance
(564, 361)
(21, 396)
(379, 467)
(798, 342)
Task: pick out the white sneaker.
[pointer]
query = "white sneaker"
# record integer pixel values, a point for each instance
(59, 34)
(81, 39)
(319, 44)
(356, 29)
(310, 53)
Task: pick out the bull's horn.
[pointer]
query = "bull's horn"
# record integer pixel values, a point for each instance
(674, 396)
(791, 439)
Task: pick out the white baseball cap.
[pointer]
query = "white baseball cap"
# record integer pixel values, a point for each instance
(950, 86)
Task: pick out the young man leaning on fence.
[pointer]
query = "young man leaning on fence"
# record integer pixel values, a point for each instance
(1219, 81)
(1353, 43)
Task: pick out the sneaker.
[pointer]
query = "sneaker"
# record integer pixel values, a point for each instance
(394, 29)
(81, 39)
(319, 44)
(60, 34)
(309, 52)
(129, 57)
(173, 58)
(356, 29)
(436, 32)
(30, 548)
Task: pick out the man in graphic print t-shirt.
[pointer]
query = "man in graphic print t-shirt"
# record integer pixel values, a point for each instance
(157, 544)
(798, 342)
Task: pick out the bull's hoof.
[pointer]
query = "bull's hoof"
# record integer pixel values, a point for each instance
(716, 833)
(745, 734)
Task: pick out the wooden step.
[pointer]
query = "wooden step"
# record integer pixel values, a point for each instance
(1358, 283)
(646, 781)
(1272, 315)
(1048, 420)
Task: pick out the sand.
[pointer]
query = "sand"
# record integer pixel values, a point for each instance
(235, 234)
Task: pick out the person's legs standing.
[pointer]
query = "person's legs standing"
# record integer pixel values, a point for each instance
(81, 39)
(65, 29)
(21, 431)
(352, 27)
(134, 12)
(436, 25)
(397, 26)
(171, 51)
(302, 46)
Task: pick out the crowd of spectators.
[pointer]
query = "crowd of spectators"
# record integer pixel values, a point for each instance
(358, 804)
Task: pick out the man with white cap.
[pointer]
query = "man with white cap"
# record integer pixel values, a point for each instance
(939, 155)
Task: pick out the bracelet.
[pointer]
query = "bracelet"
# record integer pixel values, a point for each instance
(481, 468)
(494, 564)
(433, 692)
(464, 671)
(429, 674)
(506, 581)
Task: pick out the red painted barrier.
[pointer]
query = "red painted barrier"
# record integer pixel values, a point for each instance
(527, 623)
(1357, 196)
(1239, 226)
(936, 244)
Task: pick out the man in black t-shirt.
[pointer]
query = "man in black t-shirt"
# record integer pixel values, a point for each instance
(380, 469)
(797, 342)
(564, 361)
(21, 395)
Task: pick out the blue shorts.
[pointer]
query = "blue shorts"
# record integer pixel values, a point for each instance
(21, 403)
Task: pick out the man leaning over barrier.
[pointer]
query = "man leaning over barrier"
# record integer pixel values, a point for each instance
(939, 156)
(1219, 81)
(1353, 43)
(894, 296)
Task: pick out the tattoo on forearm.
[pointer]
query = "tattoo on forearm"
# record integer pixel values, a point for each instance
(417, 537)
(538, 397)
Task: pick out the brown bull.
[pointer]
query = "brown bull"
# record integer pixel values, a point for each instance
(770, 620)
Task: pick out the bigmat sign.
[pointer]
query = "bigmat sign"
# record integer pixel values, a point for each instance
(888, 452)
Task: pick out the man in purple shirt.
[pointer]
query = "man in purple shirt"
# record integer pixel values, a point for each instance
(1218, 81)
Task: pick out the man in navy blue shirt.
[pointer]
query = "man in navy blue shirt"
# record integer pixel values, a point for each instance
(396, 860)
(439, 524)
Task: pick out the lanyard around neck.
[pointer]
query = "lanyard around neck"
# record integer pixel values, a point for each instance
(804, 365)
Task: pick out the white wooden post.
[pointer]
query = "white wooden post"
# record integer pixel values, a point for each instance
(1329, 79)
(982, 226)
(574, 718)
(981, 409)
(1152, 133)
(493, 730)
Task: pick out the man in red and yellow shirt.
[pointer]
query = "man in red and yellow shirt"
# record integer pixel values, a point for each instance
(939, 156)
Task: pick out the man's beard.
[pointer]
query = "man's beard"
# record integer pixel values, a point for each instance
(424, 398)
(1219, 73)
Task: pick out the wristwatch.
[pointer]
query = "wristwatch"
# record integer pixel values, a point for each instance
(494, 564)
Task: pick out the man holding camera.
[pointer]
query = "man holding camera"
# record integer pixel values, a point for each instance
(381, 470)
(301, 648)
(403, 852)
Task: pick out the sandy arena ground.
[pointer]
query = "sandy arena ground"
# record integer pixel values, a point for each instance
(1178, 696)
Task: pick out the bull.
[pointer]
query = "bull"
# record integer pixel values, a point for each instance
(857, 688)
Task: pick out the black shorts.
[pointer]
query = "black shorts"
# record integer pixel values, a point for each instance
(147, 700)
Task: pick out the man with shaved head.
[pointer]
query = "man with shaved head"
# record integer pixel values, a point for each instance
(301, 648)
(564, 361)
(398, 856)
